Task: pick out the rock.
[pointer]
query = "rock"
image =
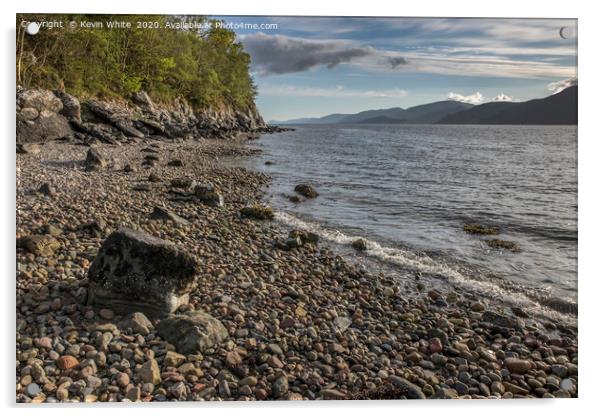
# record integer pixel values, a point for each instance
(248, 381)
(149, 372)
(175, 163)
(122, 379)
(133, 394)
(178, 391)
(182, 183)
(136, 323)
(50, 229)
(173, 359)
(412, 391)
(208, 195)
(136, 272)
(341, 323)
(40, 245)
(435, 345)
(28, 149)
(33, 390)
(480, 229)
(192, 332)
(506, 245)
(360, 244)
(280, 387)
(38, 118)
(163, 214)
(306, 190)
(332, 394)
(94, 160)
(67, 362)
(106, 314)
(259, 212)
(154, 178)
(517, 366)
(71, 106)
(307, 237)
(501, 320)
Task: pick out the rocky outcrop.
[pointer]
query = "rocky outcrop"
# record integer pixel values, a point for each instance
(39, 118)
(45, 115)
(136, 272)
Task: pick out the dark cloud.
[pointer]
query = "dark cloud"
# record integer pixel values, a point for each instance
(397, 61)
(277, 54)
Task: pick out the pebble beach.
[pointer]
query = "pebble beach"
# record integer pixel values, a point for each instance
(303, 323)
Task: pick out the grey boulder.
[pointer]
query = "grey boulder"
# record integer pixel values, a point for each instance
(192, 332)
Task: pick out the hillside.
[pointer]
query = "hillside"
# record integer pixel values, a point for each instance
(559, 108)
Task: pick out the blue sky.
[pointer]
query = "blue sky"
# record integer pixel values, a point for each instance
(313, 66)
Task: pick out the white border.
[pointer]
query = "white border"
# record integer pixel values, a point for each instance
(590, 175)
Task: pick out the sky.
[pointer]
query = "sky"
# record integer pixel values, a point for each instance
(314, 66)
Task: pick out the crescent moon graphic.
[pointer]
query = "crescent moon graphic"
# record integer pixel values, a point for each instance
(561, 32)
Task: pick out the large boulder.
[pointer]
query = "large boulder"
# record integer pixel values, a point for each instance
(192, 332)
(38, 118)
(136, 272)
(94, 160)
(71, 107)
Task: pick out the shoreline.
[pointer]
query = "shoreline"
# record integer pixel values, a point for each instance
(303, 323)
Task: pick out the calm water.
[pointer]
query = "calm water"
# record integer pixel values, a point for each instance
(410, 189)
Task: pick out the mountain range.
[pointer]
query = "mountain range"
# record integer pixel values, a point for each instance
(560, 108)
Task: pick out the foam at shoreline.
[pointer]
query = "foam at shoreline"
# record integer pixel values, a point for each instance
(424, 264)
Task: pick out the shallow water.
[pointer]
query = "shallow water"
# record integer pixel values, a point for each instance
(409, 189)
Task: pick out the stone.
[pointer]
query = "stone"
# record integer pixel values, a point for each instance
(67, 362)
(38, 117)
(248, 381)
(122, 380)
(178, 391)
(163, 214)
(28, 149)
(40, 245)
(306, 237)
(106, 314)
(71, 106)
(173, 359)
(307, 190)
(149, 372)
(47, 189)
(332, 394)
(183, 183)
(175, 163)
(208, 195)
(153, 177)
(280, 387)
(503, 244)
(341, 323)
(133, 394)
(136, 272)
(412, 391)
(136, 323)
(360, 244)
(192, 332)
(94, 160)
(435, 345)
(517, 366)
(500, 320)
(33, 390)
(258, 212)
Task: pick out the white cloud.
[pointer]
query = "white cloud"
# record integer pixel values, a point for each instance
(558, 86)
(503, 97)
(337, 91)
(476, 98)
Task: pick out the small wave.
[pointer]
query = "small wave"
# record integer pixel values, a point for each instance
(419, 262)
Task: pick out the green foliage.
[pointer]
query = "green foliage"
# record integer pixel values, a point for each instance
(208, 67)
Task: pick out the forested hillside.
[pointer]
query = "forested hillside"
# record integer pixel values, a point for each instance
(207, 69)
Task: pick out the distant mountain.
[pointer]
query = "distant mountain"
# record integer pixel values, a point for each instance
(426, 113)
(560, 108)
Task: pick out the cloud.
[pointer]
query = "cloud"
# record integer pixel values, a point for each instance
(278, 54)
(287, 90)
(476, 98)
(558, 86)
(396, 61)
(503, 97)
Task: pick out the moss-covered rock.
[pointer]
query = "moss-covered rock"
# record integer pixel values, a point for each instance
(480, 229)
(506, 245)
(360, 244)
(306, 190)
(258, 212)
